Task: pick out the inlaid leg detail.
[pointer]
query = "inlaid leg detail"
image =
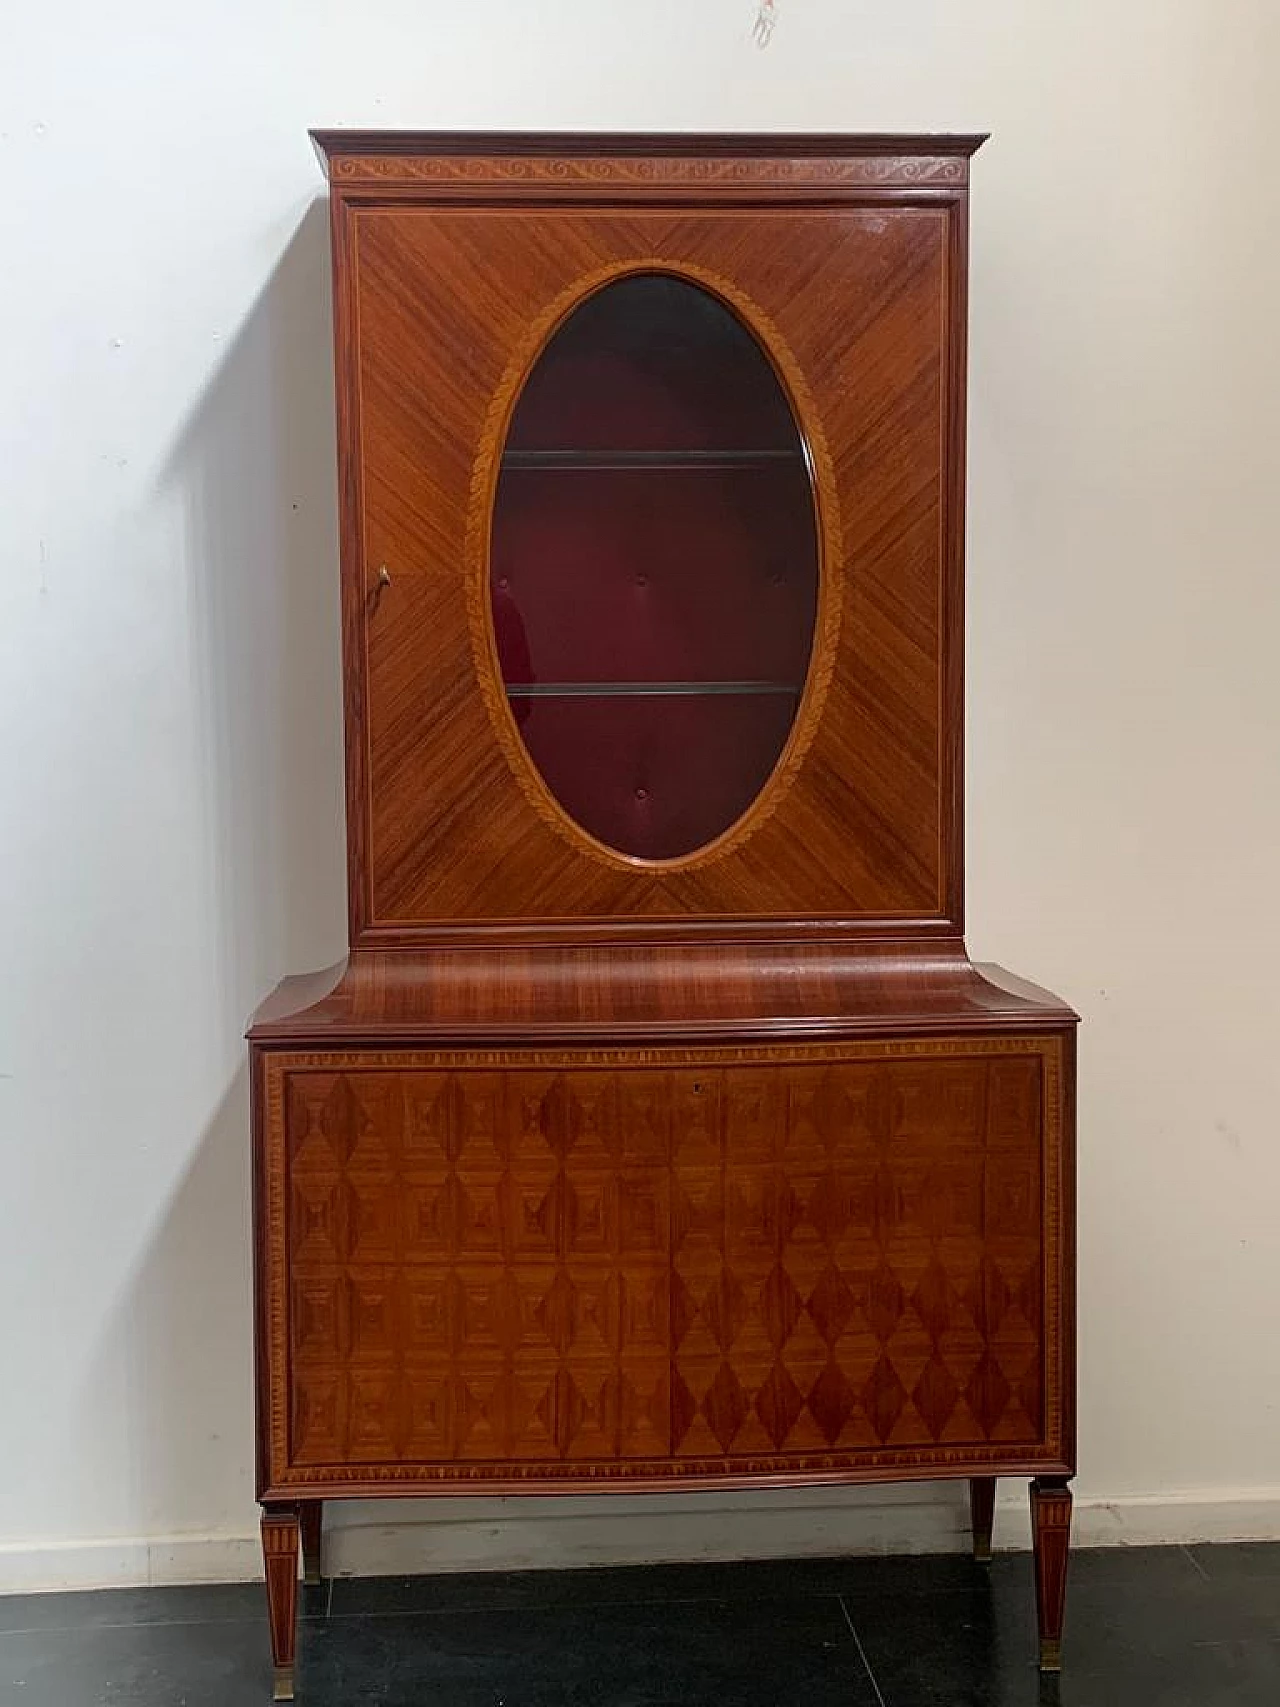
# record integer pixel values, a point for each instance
(280, 1537)
(982, 1513)
(1051, 1534)
(311, 1524)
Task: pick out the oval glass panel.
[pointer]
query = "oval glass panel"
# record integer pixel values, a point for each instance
(654, 567)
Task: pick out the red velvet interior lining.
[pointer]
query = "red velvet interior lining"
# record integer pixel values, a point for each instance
(672, 574)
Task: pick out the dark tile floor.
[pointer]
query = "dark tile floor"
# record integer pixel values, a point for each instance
(1146, 1627)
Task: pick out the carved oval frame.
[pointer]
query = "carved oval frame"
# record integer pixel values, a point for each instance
(479, 528)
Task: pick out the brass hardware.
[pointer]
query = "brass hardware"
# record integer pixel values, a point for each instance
(384, 576)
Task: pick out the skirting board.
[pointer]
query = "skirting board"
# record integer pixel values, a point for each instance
(517, 1534)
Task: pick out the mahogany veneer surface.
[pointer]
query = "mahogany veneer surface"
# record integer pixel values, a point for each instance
(505, 1265)
(443, 311)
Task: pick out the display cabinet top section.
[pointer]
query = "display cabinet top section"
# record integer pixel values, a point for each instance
(872, 157)
(844, 260)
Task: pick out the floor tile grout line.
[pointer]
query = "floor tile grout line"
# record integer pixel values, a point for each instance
(862, 1652)
(470, 1609)
(1199, 1567)
(135, 1624)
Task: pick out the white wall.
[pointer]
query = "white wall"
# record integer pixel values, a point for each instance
(169, 726)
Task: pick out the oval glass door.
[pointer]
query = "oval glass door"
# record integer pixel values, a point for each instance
(654, 567)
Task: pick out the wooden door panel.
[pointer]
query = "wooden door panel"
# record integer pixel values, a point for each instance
(824, 1261)
(840, 1297)
(472, 1273)
(452, 306)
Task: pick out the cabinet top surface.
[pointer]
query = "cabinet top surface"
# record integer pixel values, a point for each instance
(335, 144)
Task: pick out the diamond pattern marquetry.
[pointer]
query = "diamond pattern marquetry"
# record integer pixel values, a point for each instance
(480, 1266)
(715, 1264)
(856, 1260)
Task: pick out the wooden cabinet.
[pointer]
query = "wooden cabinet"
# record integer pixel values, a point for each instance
(657, 1130)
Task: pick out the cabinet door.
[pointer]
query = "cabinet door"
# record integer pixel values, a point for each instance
(859, 1256)
(476, 1264)
(788, 578)
(712, 1266)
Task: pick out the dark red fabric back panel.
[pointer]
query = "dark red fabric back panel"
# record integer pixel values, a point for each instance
(654, 525)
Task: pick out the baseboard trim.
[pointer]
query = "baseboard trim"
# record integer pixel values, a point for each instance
(517, 1534)
(128, 1562)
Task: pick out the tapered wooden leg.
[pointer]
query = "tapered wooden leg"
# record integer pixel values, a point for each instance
(280, 1537)
(311, 1525)
(1051, 1534)
(982, 1513)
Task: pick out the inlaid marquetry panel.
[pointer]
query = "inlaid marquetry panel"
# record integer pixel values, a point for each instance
(479, 1263)
(717, 1262)
(853, 1265)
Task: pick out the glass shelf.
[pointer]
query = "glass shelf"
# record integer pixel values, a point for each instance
(622, 461)
(634, 690)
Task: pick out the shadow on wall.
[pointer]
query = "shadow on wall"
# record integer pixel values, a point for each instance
(254, 471)
(255, 467)
(182, 1347)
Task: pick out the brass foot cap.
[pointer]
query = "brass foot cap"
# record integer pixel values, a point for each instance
(311, 1576)
(283, 1687)
(982, 1552)
(1051, 1656)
